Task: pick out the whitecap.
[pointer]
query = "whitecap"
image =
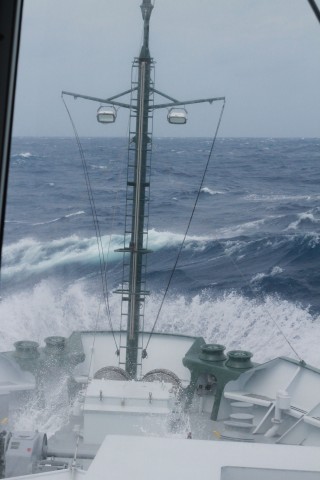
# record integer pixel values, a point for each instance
(278, 198)
(165, 239)
(259, 276)
(46, 223)
(276, 270)
(23, 155)
(243, 228)
(81, 212)
(99, 167)
(302, 218)
(211, 192)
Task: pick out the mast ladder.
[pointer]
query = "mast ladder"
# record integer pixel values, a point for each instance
(141, 288)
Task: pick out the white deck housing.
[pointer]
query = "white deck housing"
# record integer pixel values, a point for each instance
(142, 458)
(171, 459)
(124, 407)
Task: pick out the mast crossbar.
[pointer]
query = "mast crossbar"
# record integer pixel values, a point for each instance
(109, 100)
(188, 102)
(164, 95)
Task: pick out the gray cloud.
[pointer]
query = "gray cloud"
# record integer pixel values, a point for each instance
(262, 55)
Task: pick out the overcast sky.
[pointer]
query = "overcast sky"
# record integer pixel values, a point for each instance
(263, 55)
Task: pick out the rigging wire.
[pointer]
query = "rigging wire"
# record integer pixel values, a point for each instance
(315, 9)
(102, 261)
(144, 353)
(114, 209)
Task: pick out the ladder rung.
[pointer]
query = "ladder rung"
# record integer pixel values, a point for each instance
(125, 347)
(142, 292)
(123, 363)
(144, 251)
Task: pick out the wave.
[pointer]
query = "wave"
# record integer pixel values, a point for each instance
(18, 222)
(29, 256)
(290, 246)
(166, 239)
(304, 219)
(34, 257)
(278, 198)
(230, 319)
(246, 228)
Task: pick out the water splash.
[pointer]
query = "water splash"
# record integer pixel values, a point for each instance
(46, 414)
(230, 318)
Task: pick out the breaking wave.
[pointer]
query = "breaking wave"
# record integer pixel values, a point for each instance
(30, 256)
(205, 261)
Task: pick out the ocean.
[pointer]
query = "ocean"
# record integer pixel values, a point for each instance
(248, 276)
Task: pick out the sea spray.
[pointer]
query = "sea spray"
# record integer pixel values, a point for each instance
(230, 319)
